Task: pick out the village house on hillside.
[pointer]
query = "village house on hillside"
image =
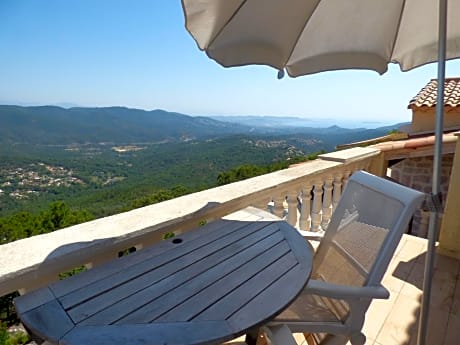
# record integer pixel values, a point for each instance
(423, 107)
(410, 161)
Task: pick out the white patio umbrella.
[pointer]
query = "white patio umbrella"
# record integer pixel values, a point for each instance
(309, 36)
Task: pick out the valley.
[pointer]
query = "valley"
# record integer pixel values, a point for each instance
(109, 160)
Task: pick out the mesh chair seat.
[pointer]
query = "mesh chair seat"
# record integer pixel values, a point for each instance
(311, 308)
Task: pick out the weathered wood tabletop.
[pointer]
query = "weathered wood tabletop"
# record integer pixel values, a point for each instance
(203, 287)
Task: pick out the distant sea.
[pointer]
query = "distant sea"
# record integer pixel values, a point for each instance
(291, 121)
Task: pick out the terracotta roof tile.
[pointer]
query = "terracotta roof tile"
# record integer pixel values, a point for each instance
(427, 96)
(414, 143)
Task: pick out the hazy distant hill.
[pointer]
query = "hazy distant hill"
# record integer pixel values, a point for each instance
(55, 125)
(328, 134)
(287, 123)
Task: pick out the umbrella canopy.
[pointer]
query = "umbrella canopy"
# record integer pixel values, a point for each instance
(305, 37)
(310, 36)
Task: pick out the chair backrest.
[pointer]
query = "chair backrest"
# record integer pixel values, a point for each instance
(364, 231)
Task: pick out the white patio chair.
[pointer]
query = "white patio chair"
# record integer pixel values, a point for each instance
(349, 263)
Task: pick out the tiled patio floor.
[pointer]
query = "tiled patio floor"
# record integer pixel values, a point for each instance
(395, 321)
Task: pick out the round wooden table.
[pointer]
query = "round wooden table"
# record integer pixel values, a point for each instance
(206, 286)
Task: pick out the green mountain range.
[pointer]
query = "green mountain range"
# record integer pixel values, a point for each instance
(52, 125)
(55, 125)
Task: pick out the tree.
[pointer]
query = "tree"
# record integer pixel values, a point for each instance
(25, 224)
(59, 216)
(159, 196)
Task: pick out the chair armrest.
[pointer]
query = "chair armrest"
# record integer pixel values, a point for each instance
(318, 287)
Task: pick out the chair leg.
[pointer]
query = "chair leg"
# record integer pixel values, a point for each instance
(338, 339)
(309, 339)
(358, 339)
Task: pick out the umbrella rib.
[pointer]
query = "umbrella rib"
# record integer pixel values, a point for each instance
(211, 41)
(397, 30)
(300, 33)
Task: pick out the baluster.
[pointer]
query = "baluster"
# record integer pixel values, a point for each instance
(101, 259)
(285, 208)
(278, 206)
(304, 221)
(327, 203)
(40, 281)
(292, 203)
(346, 175)
(337, 191)
(316, 207)
(366, 166)
(271, 207)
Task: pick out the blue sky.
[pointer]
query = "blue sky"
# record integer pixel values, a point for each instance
(138, 54)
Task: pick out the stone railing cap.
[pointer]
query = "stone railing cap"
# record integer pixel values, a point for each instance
(350, 155)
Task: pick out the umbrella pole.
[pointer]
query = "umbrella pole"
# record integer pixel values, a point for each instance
(436, 187)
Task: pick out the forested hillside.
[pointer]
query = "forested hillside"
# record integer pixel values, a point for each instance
(109, 179)
(54, 125)
(112, 159)
(109, 160)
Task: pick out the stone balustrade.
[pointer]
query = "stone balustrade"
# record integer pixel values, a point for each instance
(305, 195)
(309, 204)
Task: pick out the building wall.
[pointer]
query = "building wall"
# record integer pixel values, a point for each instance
(423, 119)
(417, 173)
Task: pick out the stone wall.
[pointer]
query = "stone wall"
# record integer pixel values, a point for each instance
(417, 173)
